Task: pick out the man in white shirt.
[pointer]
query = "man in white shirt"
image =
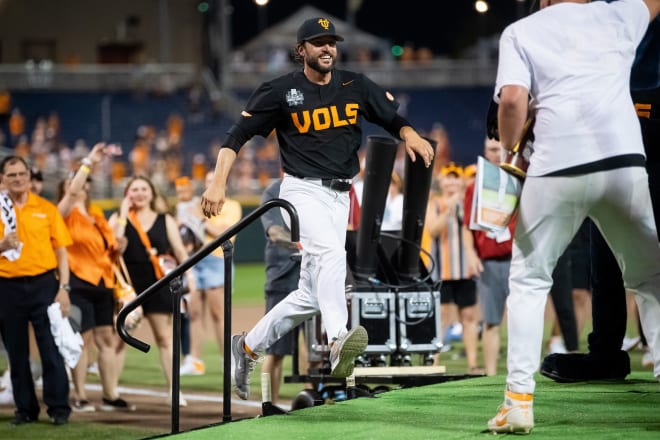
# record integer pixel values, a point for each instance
(574, 60)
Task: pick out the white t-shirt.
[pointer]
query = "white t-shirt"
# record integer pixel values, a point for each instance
(393, 214)
(185, 216)
(575, 59)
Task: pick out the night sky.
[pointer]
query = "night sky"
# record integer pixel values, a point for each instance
(456, 26)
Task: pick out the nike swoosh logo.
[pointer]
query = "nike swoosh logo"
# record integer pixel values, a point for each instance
(500, 419)
(347, 82)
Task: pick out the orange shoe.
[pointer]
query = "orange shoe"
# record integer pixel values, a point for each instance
(516, 414)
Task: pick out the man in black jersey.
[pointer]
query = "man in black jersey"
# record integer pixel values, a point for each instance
(316, 112)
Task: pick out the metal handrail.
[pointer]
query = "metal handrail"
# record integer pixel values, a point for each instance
(195, 258)
(173, 280)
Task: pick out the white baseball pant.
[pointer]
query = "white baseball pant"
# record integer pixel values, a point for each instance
(551, 211)
(323, 216)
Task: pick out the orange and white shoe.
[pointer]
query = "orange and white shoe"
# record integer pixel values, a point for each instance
(516, 414)
(192, 366)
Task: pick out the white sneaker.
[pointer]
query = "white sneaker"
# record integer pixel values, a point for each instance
(345, 349)
(93, 369)
(242, 365)
(630, 343)
(647, 359)
(82, 406)
(7, 396)
(192, 367)
(516, 414)
(5, 380)
(556, 345)
(117, 404)
(182, 402)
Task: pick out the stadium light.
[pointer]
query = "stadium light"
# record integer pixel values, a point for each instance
(263, 20)
(481, 6)
(203, 7)
(397, 50)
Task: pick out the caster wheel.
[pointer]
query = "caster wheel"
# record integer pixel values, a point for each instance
(359, 391)
(378, 361)
(380, 389)
(306, 399)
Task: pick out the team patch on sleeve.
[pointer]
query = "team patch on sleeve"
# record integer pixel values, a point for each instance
(389, 96)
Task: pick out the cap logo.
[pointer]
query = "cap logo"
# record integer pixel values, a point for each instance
(324, 22)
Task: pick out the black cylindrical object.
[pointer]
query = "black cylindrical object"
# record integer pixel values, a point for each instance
(415, 198)
(381, 152)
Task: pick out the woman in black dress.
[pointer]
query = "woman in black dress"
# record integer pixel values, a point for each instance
(138, 216)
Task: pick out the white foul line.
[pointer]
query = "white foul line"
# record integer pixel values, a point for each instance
(189, 397)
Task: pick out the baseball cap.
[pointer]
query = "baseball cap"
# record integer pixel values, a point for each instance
(317, 27)
(451, 168)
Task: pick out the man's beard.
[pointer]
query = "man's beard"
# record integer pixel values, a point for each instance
(314, 64)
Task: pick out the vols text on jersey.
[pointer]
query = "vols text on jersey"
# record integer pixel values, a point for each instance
(323, 118)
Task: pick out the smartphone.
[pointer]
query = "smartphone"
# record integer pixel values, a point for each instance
(113, 150)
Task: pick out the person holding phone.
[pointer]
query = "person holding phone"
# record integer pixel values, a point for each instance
(148, 233)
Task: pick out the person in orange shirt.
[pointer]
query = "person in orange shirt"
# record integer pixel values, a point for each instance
(34, 273)
(90, 261)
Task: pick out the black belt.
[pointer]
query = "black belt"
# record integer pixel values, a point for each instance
(607, 164)
(506, 257)
(341, 185)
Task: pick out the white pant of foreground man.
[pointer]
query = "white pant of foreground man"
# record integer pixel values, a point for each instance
(323, 216)
(619, 203)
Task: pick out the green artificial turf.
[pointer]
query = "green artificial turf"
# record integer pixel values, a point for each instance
(452, 410)
(44, 430)
(460, 409)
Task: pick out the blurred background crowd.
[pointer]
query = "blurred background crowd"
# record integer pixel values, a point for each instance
(166, 79)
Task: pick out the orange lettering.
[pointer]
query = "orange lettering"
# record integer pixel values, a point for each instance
(321, 118)
(325, 118)
(302, 128)
(352, 113)
(336, 121)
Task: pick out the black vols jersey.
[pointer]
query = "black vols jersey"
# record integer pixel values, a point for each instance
(318, 126)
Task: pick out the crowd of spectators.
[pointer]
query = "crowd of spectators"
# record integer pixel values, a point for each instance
(157, 151)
